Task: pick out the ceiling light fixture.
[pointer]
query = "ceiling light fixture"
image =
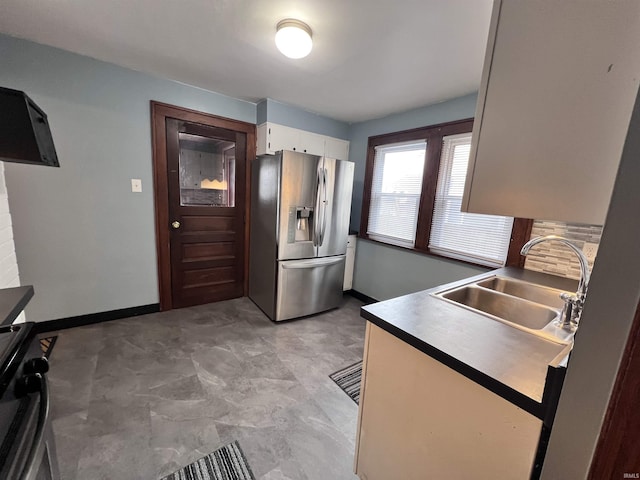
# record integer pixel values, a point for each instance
(293, 38)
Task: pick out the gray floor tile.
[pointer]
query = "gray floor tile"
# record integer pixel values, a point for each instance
(179, 442)
(142, 397)
(70, 437)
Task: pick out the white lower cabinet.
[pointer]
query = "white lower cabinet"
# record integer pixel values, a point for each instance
(419, 419)
(350, 263)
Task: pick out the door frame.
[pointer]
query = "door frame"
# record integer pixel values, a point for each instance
(159, 113)
(618, 451)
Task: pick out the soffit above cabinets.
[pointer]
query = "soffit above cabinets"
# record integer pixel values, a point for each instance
(368, 60)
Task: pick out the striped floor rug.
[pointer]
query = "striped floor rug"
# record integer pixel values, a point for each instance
(226, 463)
(46, 344)
(348, 379)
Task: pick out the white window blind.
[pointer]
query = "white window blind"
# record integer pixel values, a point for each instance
(395, 192)
(482, 239)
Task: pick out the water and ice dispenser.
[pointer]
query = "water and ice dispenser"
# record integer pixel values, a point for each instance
(300, 226)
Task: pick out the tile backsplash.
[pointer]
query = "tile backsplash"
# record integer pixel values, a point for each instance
(555, 258)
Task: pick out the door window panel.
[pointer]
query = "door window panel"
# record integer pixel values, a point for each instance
(207, 171)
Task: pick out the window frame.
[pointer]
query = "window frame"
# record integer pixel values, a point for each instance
(433, 135)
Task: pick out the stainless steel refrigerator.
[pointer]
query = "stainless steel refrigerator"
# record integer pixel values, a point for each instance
(300, 206)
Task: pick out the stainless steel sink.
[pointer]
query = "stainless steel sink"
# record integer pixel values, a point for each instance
(523, 305)
(512, 309)
(528, 291)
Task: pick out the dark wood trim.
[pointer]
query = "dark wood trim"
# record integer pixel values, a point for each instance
(429, 253)
(366, 194)
(430, 178)
(520, 234)
(160, 112)
(430, 134)
(618, 449)
(428, 193)
(366, 299)
(80, 320)
(161, 194)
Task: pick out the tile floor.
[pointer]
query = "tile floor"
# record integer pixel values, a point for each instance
(141, 397)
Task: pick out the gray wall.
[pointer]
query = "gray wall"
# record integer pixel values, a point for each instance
(84, 241)
(87, 243)
(383, 271)
(614, 292)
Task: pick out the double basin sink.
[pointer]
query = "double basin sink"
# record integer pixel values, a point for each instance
(527, 306)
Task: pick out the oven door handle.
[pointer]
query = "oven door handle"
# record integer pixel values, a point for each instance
(31, 466)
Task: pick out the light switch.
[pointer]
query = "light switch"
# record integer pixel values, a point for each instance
(136, 185)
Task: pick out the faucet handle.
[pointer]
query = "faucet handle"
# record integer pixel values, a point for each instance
(569, 297)
(570, 316)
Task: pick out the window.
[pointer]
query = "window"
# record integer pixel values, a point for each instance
(476, 238)
(395, 192)
(413, 193)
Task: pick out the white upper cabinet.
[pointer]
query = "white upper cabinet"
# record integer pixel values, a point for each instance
(283, 138)
(336, 148)
(311, 143)
(559, 83)
(272, 137)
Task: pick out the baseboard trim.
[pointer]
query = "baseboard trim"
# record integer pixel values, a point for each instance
(80, 320)
(362, 297)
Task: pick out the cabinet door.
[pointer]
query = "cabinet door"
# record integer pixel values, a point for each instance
(336, 148)
(262, 139)
(349, 263)
(311, 143)
(558, 88)
(419, 419)
(282, 138)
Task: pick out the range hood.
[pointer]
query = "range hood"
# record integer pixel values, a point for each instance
(25, 136)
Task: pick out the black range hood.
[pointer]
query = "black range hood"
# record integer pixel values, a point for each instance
(25, 136)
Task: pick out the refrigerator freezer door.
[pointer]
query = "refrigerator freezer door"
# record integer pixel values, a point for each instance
(309, 286)
(263, 247)
(333, 219)
(298, 216)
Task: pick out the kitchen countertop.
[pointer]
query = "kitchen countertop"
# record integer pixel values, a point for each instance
(519, 366)
(12, 302)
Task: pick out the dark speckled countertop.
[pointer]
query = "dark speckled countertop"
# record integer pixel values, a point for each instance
(513, 363)
(12, 302)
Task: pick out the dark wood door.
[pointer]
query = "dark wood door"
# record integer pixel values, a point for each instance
(206, 172)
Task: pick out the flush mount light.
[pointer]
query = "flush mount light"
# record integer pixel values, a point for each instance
(293, 38)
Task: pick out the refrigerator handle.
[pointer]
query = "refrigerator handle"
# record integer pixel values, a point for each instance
(314, 263)
(324, 205)
(316, 213)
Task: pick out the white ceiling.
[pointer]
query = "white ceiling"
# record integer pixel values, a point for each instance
(370, 57)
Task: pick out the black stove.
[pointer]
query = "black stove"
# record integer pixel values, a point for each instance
(14, 342)
(27, 450)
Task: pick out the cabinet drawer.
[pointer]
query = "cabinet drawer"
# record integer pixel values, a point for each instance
(309, 286)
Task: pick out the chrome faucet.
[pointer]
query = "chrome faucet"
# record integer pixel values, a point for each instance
(573, 303)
